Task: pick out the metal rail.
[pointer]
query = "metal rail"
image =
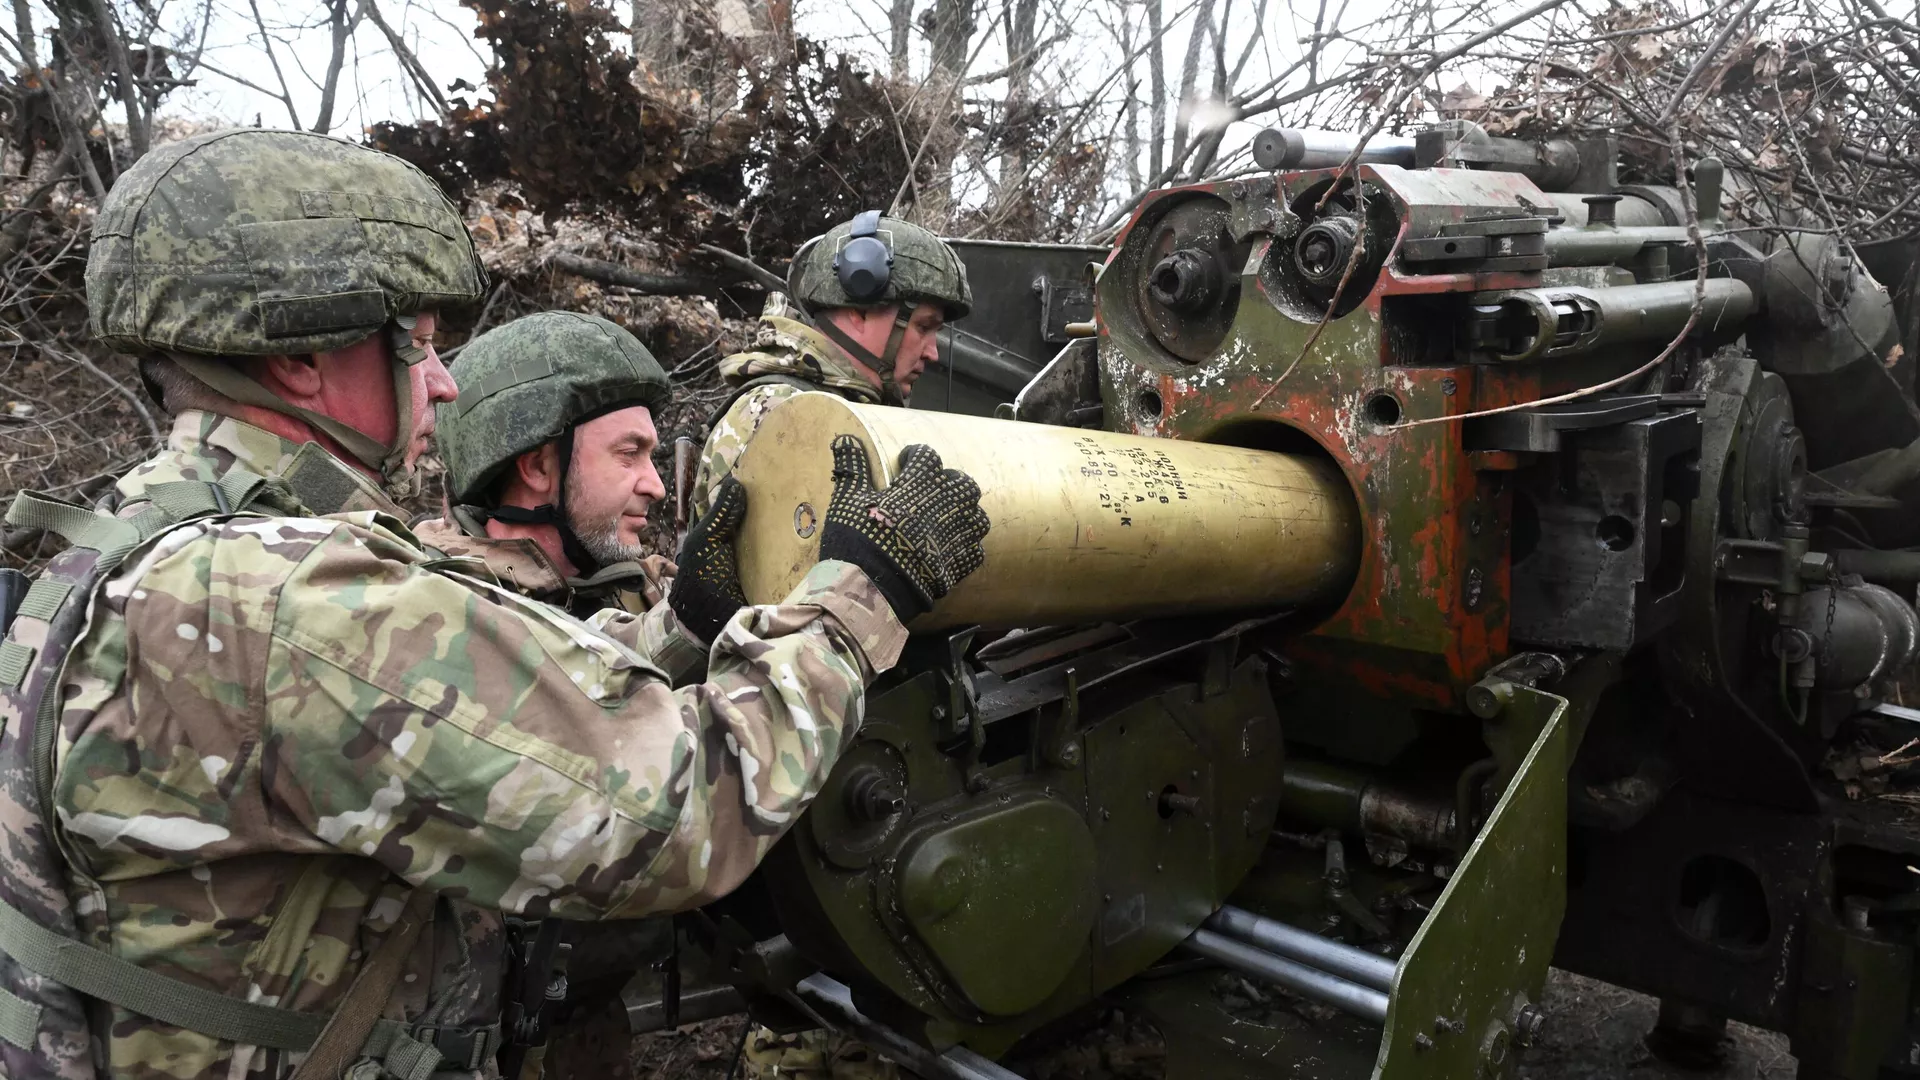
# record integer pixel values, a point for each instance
(1310, 982)
(1293, 943)
(832, 1003)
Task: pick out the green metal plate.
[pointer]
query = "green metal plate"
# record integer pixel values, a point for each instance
(1483, 953)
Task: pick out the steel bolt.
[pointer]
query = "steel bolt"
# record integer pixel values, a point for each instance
(1488, 698)
(871, 796)
(1527, 1024)
(1173, 802)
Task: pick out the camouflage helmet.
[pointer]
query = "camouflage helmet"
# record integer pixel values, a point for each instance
(924, 270)
(530, 382)
(254, 242)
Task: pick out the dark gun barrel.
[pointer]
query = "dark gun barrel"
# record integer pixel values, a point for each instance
(1276, 149)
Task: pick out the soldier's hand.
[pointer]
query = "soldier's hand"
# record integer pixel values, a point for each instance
(706, 591)
(916, 539)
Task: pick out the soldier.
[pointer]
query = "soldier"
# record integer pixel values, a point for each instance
(550, 477)
(271, 779)
(878, 290)
(550, 471)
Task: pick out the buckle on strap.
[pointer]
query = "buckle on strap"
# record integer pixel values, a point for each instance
(414, 1053)
(461, 1047)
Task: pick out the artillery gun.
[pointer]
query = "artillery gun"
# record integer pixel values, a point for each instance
(1318, 650)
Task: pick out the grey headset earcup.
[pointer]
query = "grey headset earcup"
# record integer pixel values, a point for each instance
(864, 268)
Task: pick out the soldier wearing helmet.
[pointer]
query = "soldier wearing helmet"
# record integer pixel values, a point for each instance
(877, 290)
(550, 472)
(274, 777)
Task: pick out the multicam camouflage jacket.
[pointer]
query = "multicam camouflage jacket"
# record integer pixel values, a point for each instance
(782, 346)
(274, 727)
(524, 566)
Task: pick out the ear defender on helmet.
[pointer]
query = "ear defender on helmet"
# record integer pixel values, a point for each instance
(865, 264)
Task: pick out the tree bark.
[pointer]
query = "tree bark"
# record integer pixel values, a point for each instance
(952, 29)
(336, 60)
(1157, 85)
(1021, 18)
(654, 284)
(900, 23)
(23, 29)
(109, 27)
(1190, 77)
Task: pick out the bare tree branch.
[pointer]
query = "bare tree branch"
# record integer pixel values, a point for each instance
(266, 46)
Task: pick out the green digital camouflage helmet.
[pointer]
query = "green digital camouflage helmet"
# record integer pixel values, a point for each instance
(532, 381)
(924, 270)
(254, 242)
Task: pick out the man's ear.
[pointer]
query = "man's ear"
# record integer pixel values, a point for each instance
(539, 470)
(298, 375)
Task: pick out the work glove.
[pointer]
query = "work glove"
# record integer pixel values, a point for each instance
(706, 592)
(916, 539)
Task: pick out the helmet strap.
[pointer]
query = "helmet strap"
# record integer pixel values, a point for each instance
(555, 513)
(891, 392)
(389, 461)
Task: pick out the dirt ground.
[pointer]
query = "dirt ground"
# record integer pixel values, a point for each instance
(1593, 1032)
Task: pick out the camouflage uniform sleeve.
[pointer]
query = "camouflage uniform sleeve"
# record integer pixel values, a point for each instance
(488, 746)
(660, 638)
(729, 437)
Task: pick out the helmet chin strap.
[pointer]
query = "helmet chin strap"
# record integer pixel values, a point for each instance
(389, 461)
(555, 514)
(891, 392)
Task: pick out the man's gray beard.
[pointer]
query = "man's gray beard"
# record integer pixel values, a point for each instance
(602, 540)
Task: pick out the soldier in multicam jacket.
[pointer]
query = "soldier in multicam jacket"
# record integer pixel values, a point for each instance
(870, 349)
(276, 728)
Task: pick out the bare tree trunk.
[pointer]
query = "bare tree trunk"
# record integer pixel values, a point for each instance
(1021, 18)
(1157, 73)
(1210, 137)
(900, 23)
(952, 29)
(330, 86)
(1131, 110)
(108, 28)
(1190, 76)
(23, 29)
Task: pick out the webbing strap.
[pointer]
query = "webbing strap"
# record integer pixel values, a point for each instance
(77, 525)
(95, 973)
(15, 659)
(19, 1020)
(404, 1052)
(44, 598)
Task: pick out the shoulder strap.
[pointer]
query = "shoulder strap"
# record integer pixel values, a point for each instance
(355, 1029)
(339, 1044)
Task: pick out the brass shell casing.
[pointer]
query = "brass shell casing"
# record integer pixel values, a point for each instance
(1087, 525)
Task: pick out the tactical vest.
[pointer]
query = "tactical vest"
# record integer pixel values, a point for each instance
(51, 978)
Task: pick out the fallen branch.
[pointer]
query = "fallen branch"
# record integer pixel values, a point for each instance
(611, 273)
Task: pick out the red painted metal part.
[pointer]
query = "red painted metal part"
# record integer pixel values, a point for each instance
(1428, 611)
